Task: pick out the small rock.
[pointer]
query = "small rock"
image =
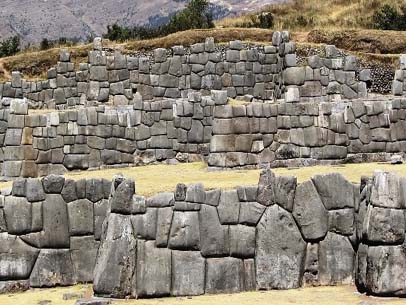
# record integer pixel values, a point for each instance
(72, 296)
(396, 160)
(93, 301)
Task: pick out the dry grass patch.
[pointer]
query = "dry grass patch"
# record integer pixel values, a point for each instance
(153, 179)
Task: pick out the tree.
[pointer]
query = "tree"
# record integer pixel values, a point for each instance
(388, 18)
(10, 46)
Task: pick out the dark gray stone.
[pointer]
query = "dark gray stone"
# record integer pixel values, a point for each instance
(214, 238)
(161, 200)
(53, 184)
(331, 188)
(185, 234)
(229, 207)
(164, 222)
(84, 253)
(34, 190)
(342, 221)
(18, 215)
(224, 275)
(188, 273)
(122, 198)
(81, 215)
(250, 213)
(145, 225)
(153, 270)
(386, 271)
(53, 268)
(384, 226)
(336, 260)
(279, 260)
(309, 212)
(115, 268)
(16, 258)
(242, 241)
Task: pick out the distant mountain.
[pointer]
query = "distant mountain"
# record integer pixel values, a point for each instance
(34, 20)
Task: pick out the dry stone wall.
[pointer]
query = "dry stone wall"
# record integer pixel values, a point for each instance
(200, 128)
(257, 73)
(50, 231)
(279, 234)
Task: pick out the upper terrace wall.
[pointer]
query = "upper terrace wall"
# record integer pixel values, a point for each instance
(260, 73)
(226, 136)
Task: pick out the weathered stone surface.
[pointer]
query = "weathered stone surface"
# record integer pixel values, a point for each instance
(164, 221)
(81, 215)
(336, 260)
(224, 275)
(214, 238)
(116, 261)
(153, 270)
(384, 226)
(145, 225)
(34, 190)
(84, 253)
(385, 190)
(279, 260)
(52, 268)
(229, 207)
(361, 267)
(250, 213)
(386, 270)
(188, 273)
(14, 286)
(161, 200)
(309, 212)
(53, 184)
(18, 215)
(331, 188)
(185, 234)
(242, 241)
(16, 258)
(342, 221)
(122, 198)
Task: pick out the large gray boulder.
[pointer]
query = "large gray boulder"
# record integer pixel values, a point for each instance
(16, 258)
(18, 215)
(163, 226)
(386, 191)
(336, 260)
(84, 253)
(309, 212)
(384, 226)
(280, 251)
(224, 275)
(53, 267)
(153, 270)
(335, 191)
(185, 234)
(214, 238)
(188, 273)
(229, 207)
(242, 241)
(114, 272)
(386, 271)
(250, 213)
(122, 198)
(81, 217)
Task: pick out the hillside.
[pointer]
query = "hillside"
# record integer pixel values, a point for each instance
(302, 15)
(80, 19)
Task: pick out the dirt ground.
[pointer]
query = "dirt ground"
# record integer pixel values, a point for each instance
(345, 295)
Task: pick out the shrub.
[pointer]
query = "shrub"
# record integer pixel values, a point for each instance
(10, 46)
(196, 15)
(388, 18)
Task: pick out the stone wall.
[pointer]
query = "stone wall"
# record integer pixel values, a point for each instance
(200, 128)
(50, 231)
(297, 134)
(278, 234)
(254, 73)
(399, 83)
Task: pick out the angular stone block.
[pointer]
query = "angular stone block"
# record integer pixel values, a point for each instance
(81, 215)
(242, 241)
(153, 270)
(229, 207)
(185, 233)
(224, 275)
(18, 215)
(188, 273)
(309, 212)
(164, 222)
(84, 253)
(53, 268)
(279, 260)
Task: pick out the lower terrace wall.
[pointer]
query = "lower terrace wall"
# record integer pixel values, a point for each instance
(278, 234)
(183, 130)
